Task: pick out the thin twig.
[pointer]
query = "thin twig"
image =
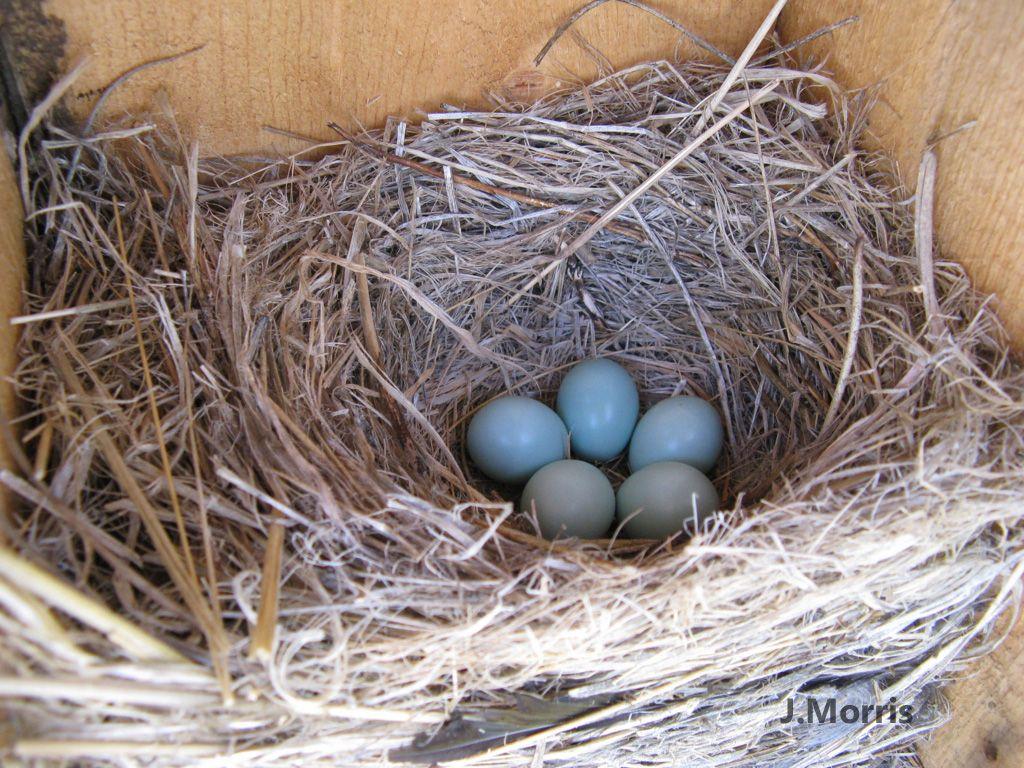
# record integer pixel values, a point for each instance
(583, 11)
(923, 234)
(856, 313)
(261, 642)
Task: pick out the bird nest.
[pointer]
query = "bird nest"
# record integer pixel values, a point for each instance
(250, 534)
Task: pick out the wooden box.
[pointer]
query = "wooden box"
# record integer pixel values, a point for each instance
(948, 76)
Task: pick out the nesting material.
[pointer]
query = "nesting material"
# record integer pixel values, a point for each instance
(250, 533)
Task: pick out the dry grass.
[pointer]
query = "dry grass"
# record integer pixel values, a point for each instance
(250, 379)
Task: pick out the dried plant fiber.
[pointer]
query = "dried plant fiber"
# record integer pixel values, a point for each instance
(249, 533)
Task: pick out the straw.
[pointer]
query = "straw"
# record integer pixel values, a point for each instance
(251, 535)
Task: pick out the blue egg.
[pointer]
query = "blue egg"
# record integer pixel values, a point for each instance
(685, 429)
(599, 404)
(664, 498)
(570, 498)
(512, 437)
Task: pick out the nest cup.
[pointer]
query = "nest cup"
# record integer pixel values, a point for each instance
(255, 391)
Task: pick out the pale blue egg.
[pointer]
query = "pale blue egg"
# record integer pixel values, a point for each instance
(670, 496)
(684, 428)
(512, 437)
(599, 404)
(571, 499)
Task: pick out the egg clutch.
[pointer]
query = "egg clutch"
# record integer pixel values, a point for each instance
(518, 440)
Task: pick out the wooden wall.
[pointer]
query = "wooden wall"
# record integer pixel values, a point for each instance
(294, 65)
(11, 268)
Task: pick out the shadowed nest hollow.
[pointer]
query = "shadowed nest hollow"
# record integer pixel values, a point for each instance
(250, 534)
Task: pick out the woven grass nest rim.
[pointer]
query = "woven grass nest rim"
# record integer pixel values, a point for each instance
(246, 386)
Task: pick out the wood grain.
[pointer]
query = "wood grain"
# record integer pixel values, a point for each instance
(297, 65)
(12, 259)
